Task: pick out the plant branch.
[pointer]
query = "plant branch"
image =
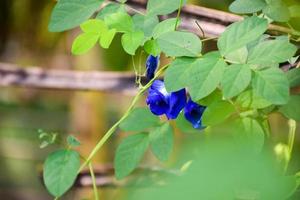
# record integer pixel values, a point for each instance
(93, 181)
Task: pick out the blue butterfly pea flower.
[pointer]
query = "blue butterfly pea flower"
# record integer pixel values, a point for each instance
(152, 63)
(193, 113)
(161, 102)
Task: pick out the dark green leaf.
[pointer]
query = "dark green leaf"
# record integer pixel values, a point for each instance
(236, 78)
(161, 141)
(293, 76)
(217, 112)
(131, 41)
(239, 34)
(247, 6)
(130, 153)
(139, 120)
(272, 85)
(60, 171)
(178, 44)
(163, 7)
(292, 108)
(68, 14)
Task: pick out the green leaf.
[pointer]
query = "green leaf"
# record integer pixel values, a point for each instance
(236, 78)
(271, 51)
(93, 26)
(178, 44)
(293, 76)
(152, 47)
(163, 7)
(165, 26)
(272, 85)
(238, 34)
(175, 76)
(84, 42)
(139, 120)
(129, 153)
(110, 9)
(247, 6)
(277, 10)
(131, 41)
(184, 125)
(60, 171)
(120, 21)
(145, 23)
(204, 76)
(212, 98)
(249, 134)
(238, 56)
(250, 99)
(294, 10)
(217, 112)
(73, 141)
(107, 37)
(161, 141)
(68, 14)
(292, 108)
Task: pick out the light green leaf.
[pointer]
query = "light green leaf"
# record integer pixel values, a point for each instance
(178, 44)
(129, 153)
(250, 99)
(165, 26)
(277, 10)
(107, 37)
(212, 98)
(139, 120)
(247, 6)
(217, 112)
(84, 42)
(68, 14)
(120, 21)
(93, 26)
(60, 171)
(175, 76)
(152, 48)
(239, 34)
(204, 76)
(163, 7)
(292, 108)
(131, 41)
(249, 134)
(238, 56)
(73, 141)
(271, 51)
(145, 23)
(110, 9)
(272, 85)
(293, 76)
(236, 78)
(161, 141)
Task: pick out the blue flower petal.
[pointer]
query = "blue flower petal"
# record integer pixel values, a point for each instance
(193, 113)
(158, 98)
(151, 66)
(176, 103)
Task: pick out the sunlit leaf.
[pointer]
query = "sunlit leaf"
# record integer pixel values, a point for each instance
(131, 41)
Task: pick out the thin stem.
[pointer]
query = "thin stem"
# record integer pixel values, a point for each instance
(207, 39)
(178, 14)
(291, 141)
(109, 133)
(96, 195)
(203, 33)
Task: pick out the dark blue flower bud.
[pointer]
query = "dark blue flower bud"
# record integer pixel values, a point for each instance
(151, 66)
(193, 113)
(161, 102)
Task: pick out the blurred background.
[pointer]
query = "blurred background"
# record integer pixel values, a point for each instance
(25, 40)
